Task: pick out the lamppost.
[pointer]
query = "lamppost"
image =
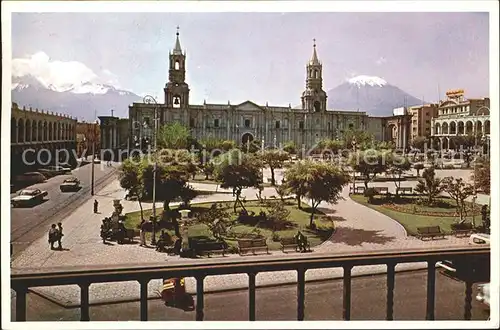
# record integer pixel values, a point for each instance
(94, 137)
(353, 171)
(151, 100)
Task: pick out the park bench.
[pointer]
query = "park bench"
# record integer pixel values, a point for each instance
(431, 231)
(405, 190)
(358, 190)
(253, 245)
(381, 190)
(291, 242)
(463, 230)
(130, 234)
(209, 247)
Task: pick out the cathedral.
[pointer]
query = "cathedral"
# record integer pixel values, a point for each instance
(248, 121)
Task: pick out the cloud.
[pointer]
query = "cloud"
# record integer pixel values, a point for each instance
(381, 60)
(59, 74)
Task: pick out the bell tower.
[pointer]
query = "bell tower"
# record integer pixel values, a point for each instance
(176, 90)
(314, 97)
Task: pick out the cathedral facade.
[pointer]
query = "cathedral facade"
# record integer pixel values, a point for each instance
(248, 121)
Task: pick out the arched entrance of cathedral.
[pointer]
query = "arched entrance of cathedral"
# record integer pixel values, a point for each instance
(246, 138)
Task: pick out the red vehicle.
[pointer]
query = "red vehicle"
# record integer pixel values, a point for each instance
(173, 293)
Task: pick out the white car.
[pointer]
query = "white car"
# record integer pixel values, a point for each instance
(480, 239)
(28, 197)
(70, 184)
(483, 294)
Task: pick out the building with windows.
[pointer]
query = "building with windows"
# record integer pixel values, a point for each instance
(37, 136)
(458, 116)
(86, 135)
(421, 120)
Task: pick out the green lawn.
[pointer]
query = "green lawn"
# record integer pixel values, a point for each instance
(411, 221)
(299, 219)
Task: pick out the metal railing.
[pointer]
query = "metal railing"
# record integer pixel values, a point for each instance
(20, 283)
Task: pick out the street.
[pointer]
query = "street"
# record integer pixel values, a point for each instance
(323, 302)
(29, 223)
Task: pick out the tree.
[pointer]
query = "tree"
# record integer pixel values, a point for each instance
(459, 190)
(325, 183)
(481, 175)
(273, 158)
(419, 143)
(174, 136)
(429, 185)
(130, 179)
(228, 145)
(217, 219)
(281, 191)
(364, 140)
(296, 180)
(369, 163)
(237, 170)
(290, 147)
(397, 165)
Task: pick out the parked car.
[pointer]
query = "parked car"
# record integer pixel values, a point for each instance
(28, 197)
(70, 184)
(480, 239)
(30, 178)
(51, 171)
(483, 294)
(66, 167)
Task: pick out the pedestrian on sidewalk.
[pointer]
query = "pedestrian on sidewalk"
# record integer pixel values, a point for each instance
(96, 205)
(142, 232)
(59, 235)
(53, 233)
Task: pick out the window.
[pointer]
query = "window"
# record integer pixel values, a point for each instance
(351, 126)
(301, 124)
(427, 114)
(146, 122)
(427, 122)
(191, 122)
(277, 124)
(177, 65)
(329, 126)
(216, 122)
(247, 122)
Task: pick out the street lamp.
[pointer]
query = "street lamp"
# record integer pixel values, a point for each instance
(353, 171)
(94, 137)
(151, 100)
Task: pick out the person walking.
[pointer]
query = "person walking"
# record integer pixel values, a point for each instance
(53, 233)
(96, 205)
(142, 232)
(59, 235)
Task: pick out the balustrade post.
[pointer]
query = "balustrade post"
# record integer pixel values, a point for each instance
(84, 301)
(431, 289)
(144, 299)
(301, 293)
(21, 293)
(346, 303)
(468, 299)
(199, 297)
(251, 296)
(390, 291)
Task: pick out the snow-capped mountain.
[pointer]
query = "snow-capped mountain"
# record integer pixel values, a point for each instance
(371, 94)
(80, 100)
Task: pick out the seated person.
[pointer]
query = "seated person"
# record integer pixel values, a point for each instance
(301, 241)
(163, 241)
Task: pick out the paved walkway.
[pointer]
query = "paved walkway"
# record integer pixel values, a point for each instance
(358, 229)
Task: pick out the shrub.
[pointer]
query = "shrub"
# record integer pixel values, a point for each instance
(275, 237)
(370, 193)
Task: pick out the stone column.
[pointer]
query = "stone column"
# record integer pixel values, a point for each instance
(103, 137)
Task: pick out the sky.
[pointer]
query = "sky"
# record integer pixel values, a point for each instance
(256, 56)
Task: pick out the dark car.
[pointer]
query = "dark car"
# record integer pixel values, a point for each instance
(70, 184)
